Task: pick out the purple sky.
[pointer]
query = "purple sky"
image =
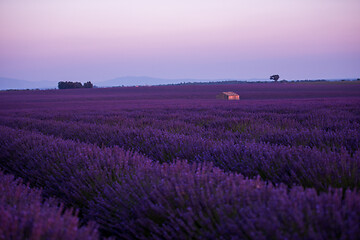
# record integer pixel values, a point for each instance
(206, 39)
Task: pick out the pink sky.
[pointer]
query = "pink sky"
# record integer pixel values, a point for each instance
(207, 39)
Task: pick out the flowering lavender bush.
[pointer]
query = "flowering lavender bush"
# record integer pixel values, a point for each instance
(24, 215)
(292, 165)
(131, 196)
(172, 162)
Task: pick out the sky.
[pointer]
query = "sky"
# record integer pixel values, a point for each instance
(97, 40)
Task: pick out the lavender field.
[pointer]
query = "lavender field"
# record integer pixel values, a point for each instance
(174, 162)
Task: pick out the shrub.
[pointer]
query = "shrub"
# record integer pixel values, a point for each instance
(132, 197)
(24, 215)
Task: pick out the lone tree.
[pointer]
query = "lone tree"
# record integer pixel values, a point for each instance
(274, 77)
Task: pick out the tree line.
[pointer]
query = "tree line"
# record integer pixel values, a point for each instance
(70, 85)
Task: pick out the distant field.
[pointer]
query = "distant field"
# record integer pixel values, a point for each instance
(246, 91)
(174, 162)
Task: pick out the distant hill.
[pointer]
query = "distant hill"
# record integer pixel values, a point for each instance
(12, 83)
(143, 80)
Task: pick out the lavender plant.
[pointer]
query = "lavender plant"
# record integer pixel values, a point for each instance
(172, 162)
(133, 197)
(292, 165)
(24, 215)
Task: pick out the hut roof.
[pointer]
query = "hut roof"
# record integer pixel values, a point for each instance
(230, 94)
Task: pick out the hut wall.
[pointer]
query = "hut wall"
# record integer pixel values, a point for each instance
(233, 97)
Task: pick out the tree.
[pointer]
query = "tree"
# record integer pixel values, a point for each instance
(68, 85)
(61, 85)
(77, 85)
(275, 77)
(88, 85)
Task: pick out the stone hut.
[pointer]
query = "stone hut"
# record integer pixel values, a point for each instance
(228, 96)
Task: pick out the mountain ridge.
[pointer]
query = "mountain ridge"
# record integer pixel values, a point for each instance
(7, 83)
(14, 83)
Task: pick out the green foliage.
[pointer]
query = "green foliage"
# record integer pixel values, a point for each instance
(70, 85)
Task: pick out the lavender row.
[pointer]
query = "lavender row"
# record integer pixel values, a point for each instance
(133, 197)
(24, 215)
(336, 114)
(278, 164)
(322, 125)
